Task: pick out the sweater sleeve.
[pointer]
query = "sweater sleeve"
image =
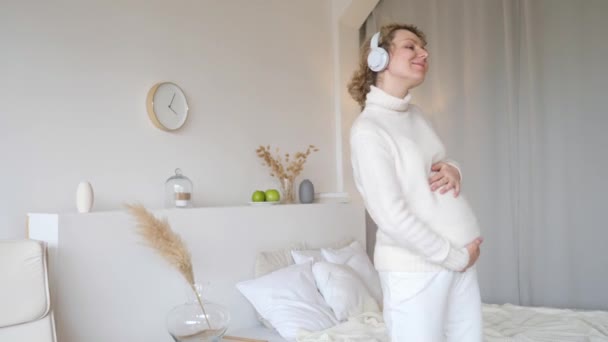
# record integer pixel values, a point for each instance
(377, 180)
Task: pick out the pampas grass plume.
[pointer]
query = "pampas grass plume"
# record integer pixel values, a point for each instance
(158, 235)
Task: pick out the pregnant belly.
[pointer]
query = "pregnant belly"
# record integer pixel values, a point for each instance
(453, 218)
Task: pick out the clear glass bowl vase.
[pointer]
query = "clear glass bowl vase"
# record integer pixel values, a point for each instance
(189, 322)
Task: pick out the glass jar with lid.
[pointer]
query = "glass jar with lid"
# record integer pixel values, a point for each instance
(178, 191)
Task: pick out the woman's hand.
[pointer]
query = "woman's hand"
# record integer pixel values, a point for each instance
(446, 177)
(474, 251)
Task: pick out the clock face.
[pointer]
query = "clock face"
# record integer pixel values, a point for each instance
(168, 108)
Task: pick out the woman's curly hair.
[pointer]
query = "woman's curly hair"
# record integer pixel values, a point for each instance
(364, 77)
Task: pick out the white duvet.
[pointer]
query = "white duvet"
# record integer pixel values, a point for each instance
(502, 323)
(367, 326)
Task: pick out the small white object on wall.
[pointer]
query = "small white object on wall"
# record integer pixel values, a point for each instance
(84, 197)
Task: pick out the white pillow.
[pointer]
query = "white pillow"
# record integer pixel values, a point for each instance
(289, 300)
(270, 261)
(343, 290)
(355, 256)
(309, 255)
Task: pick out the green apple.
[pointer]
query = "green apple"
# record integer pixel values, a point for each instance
(258, 196)
(273, 195)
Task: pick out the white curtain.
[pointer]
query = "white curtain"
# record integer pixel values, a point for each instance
(516, 91)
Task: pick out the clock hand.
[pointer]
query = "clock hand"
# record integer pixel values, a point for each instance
(173, 110)
(173, 98)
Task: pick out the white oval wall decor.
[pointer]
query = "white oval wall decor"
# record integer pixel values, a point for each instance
(84, 197)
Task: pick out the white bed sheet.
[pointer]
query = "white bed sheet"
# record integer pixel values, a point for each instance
(506, 323)
(502, 323)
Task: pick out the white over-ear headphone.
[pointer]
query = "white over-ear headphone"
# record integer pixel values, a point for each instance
(377, 60)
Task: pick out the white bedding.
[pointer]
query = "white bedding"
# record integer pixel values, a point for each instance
(366, 327)
(502, 323)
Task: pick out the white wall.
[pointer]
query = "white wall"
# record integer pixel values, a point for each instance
(352, 18)
(74, 77)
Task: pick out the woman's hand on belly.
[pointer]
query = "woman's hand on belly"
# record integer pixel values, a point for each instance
(474, 251)
(446, 178)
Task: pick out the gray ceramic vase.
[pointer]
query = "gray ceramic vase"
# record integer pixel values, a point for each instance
(306, 192)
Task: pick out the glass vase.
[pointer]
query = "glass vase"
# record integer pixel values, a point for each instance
(287, 190)
(202, 321)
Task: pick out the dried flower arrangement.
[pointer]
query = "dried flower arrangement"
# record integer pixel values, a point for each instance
(285, 170)
(158, 235)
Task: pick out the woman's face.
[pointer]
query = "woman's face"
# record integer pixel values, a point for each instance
(408, 58)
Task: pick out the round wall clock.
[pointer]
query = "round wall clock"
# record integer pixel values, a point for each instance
(167, 106)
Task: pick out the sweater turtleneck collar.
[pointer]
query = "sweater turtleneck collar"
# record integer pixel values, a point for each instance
(379, 97)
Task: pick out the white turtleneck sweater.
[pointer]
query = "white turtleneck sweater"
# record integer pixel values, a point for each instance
(393, 148)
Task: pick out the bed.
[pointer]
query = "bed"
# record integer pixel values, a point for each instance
(508, 322)
(83, 271)
(502, 323)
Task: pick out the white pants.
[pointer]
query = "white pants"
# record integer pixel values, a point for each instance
(432, 306)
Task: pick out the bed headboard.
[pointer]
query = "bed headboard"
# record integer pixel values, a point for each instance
(108, 286)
